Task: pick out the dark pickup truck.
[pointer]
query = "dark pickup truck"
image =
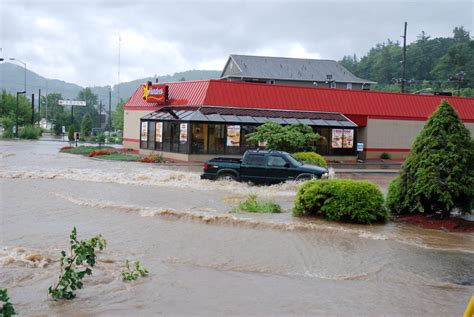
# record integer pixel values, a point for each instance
(268, 167)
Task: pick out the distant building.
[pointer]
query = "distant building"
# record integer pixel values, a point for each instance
(292, 71)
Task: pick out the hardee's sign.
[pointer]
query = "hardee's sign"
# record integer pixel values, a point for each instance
(155, 93)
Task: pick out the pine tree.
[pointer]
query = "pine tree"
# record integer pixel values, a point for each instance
(438, 174)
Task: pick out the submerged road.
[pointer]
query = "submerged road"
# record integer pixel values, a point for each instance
(203, 260)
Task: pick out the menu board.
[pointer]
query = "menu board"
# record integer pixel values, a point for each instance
(342, 138)
(233, 135)
(348, 139)
(144, 131)
(159, 132)
(183, 133)
(336, 142)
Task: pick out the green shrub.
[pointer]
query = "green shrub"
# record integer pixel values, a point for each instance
(385, 156)
(29, 132)
(253, 204)
(310, 158)
(70, 133)
(341, 200)
(100, 137)
(8, 125)
(438, 174)
(6, 309)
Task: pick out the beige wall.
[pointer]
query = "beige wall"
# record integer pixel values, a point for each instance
(393, 134)
(131, 127)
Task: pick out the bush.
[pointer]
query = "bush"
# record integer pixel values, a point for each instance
(29, 132)
(100, 137)
(8, 125)
(310, 158)
(438, 174)
(341, 200)
(152, 158)
(252, 204)
(101, 152)
(385, 156)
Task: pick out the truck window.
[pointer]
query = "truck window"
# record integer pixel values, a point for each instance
(256, 159)
(276, 161)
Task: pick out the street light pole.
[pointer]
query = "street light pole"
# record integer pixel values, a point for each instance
(17, 111)
(24, 64)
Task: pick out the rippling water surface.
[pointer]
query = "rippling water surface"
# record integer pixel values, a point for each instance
(202, 259)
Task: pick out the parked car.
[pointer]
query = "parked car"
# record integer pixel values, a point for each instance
(256, 166)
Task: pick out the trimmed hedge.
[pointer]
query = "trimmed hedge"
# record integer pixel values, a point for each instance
(343, 200)
(310, 158)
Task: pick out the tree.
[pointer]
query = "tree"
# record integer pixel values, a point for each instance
(438, 174)
(117, 116)
(460, 35)
(90, 108)
(291, 138)
(86, 125)
(8, 108)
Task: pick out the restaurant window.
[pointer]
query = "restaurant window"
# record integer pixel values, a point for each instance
(216, 138)
(174, 137)
(151, 135)
(342, 141)
(183, 138)
(199, 138)
(158, 135)
(166, 145)
(233, 139)
(144, 135)
(244, 130)
(322, 145)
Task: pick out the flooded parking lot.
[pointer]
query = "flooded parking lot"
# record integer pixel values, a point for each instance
(203, 260)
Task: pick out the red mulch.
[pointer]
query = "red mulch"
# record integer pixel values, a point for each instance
(451, 224)
(127, 151)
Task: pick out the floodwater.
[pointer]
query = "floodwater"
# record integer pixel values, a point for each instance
(203, 260)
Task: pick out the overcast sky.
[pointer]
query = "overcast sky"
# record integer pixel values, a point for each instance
(78, 41)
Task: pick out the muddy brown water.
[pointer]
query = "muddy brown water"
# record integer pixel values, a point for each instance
(202, 259)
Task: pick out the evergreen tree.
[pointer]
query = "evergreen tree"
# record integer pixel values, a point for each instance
(438, 175)
(86, 125)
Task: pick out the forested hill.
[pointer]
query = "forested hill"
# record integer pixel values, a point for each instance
(438, 64)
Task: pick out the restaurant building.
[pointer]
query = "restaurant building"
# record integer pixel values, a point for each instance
(196, 120)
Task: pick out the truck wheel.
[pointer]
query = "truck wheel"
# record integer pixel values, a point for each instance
(226, 177)
(305, 177)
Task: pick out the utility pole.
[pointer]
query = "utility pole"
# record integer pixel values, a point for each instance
(110, 109)
(32, 109)
(100, 114)
(39, 102)
(404, 63)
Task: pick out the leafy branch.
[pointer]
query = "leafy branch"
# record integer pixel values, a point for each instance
(134, 273)
(76, 265)
(7, 309)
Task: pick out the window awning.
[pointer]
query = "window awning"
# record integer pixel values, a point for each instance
(249, 116)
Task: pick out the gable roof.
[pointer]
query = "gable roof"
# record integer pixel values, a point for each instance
(284, 68)
(221, 93)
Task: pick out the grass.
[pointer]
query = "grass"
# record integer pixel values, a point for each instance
(84, 150)
(119, 157)
(253, 204)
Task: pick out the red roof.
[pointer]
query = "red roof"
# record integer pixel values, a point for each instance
(349, 102)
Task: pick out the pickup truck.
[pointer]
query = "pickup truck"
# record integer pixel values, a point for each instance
(268, 167)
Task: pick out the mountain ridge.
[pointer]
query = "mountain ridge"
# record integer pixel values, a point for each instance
(12, 80)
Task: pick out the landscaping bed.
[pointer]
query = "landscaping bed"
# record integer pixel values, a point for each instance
(112, 154)
(452, 224)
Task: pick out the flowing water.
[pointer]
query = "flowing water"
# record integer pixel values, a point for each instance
(202, 259)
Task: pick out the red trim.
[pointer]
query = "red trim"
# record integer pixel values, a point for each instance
(386, 150)
(131, 140)
(408, 118)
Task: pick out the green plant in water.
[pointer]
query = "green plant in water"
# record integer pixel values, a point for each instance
(253, 204)
(132, 274)
(7, 309)
(76, 265)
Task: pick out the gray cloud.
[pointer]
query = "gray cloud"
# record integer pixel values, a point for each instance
(77, 41)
